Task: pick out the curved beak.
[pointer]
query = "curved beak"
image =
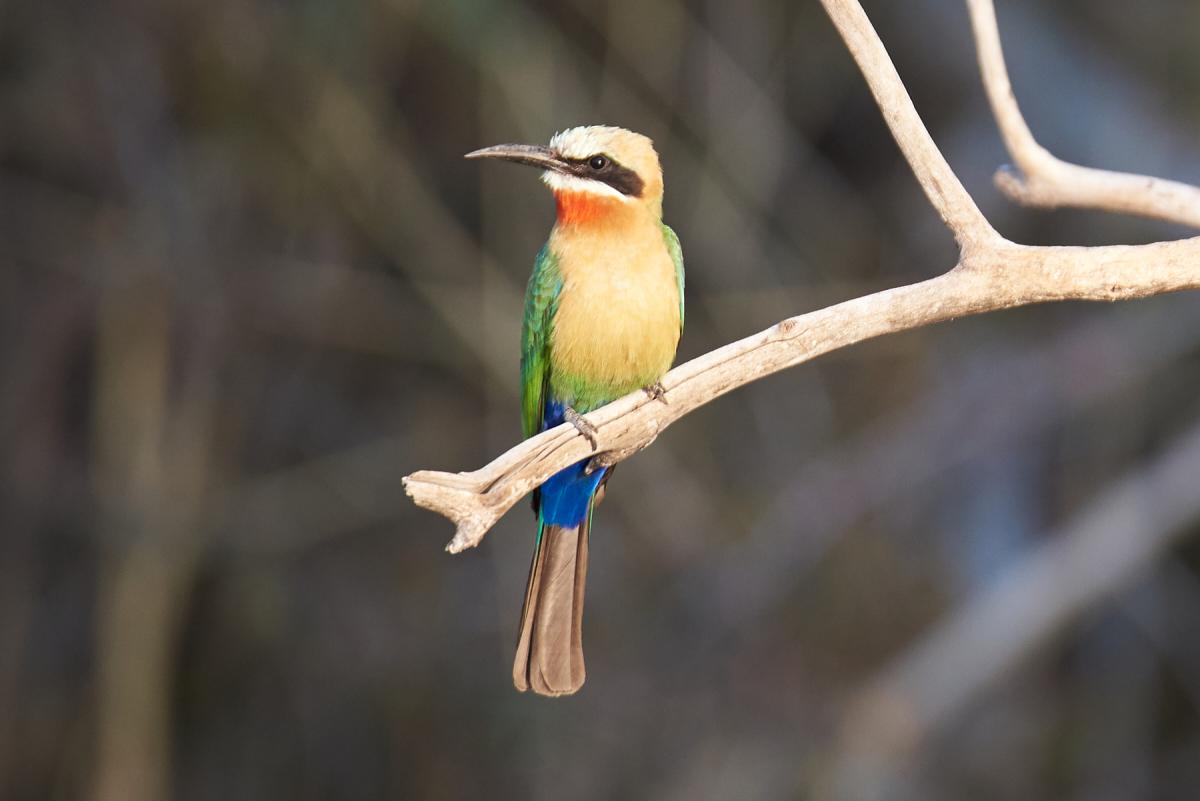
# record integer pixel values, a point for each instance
(533, 155)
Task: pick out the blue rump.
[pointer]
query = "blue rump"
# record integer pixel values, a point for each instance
(566, 495)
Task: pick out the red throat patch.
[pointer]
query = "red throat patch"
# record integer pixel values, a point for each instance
(582, 208)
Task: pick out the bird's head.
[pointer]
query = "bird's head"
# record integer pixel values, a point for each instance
(596, 172)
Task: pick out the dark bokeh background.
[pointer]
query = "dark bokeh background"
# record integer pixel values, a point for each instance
(247, 282)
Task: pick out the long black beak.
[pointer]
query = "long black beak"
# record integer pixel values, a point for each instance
(533, 155)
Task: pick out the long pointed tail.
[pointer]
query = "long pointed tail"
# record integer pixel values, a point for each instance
(549, 657)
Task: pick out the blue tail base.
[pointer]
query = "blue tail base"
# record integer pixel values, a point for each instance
(565, 497)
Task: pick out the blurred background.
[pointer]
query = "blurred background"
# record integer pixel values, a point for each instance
(248, 282)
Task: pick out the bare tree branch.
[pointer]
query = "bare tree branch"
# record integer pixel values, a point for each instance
(993, 273)
(1045, 180)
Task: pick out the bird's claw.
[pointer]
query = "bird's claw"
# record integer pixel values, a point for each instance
(600, 461)
(582, 426)
(656, 391)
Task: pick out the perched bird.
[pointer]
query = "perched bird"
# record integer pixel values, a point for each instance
(603, 315)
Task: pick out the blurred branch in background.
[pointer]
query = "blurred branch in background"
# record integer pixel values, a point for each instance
(1107, 545)
(155, 384)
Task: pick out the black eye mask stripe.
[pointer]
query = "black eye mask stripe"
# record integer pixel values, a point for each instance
(619, 177)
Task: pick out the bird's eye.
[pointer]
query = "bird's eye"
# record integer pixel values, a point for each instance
(597, 162)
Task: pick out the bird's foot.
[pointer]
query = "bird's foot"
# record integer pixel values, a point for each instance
(611, 458)
(656, 391)
(600, 461)
(582, 426)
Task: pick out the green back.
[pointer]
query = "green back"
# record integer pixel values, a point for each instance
(541, 301)
(676, 251)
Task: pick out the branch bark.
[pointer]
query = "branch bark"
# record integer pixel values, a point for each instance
(992, 274)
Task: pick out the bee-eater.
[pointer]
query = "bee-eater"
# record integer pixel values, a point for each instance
(603, 315)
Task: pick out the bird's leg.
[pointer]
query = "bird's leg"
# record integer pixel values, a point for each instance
(656, 391)
(610, 459)
(602, 488)
(582, 426)
(599, 462)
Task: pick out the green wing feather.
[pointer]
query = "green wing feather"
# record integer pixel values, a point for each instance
(541, 301)
(676, 251)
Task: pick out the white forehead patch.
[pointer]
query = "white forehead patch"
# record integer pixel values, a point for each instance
(584, 141)
(570, 183)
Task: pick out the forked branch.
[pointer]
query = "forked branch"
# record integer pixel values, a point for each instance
(992, 274)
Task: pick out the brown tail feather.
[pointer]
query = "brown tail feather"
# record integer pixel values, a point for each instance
(549, 658)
